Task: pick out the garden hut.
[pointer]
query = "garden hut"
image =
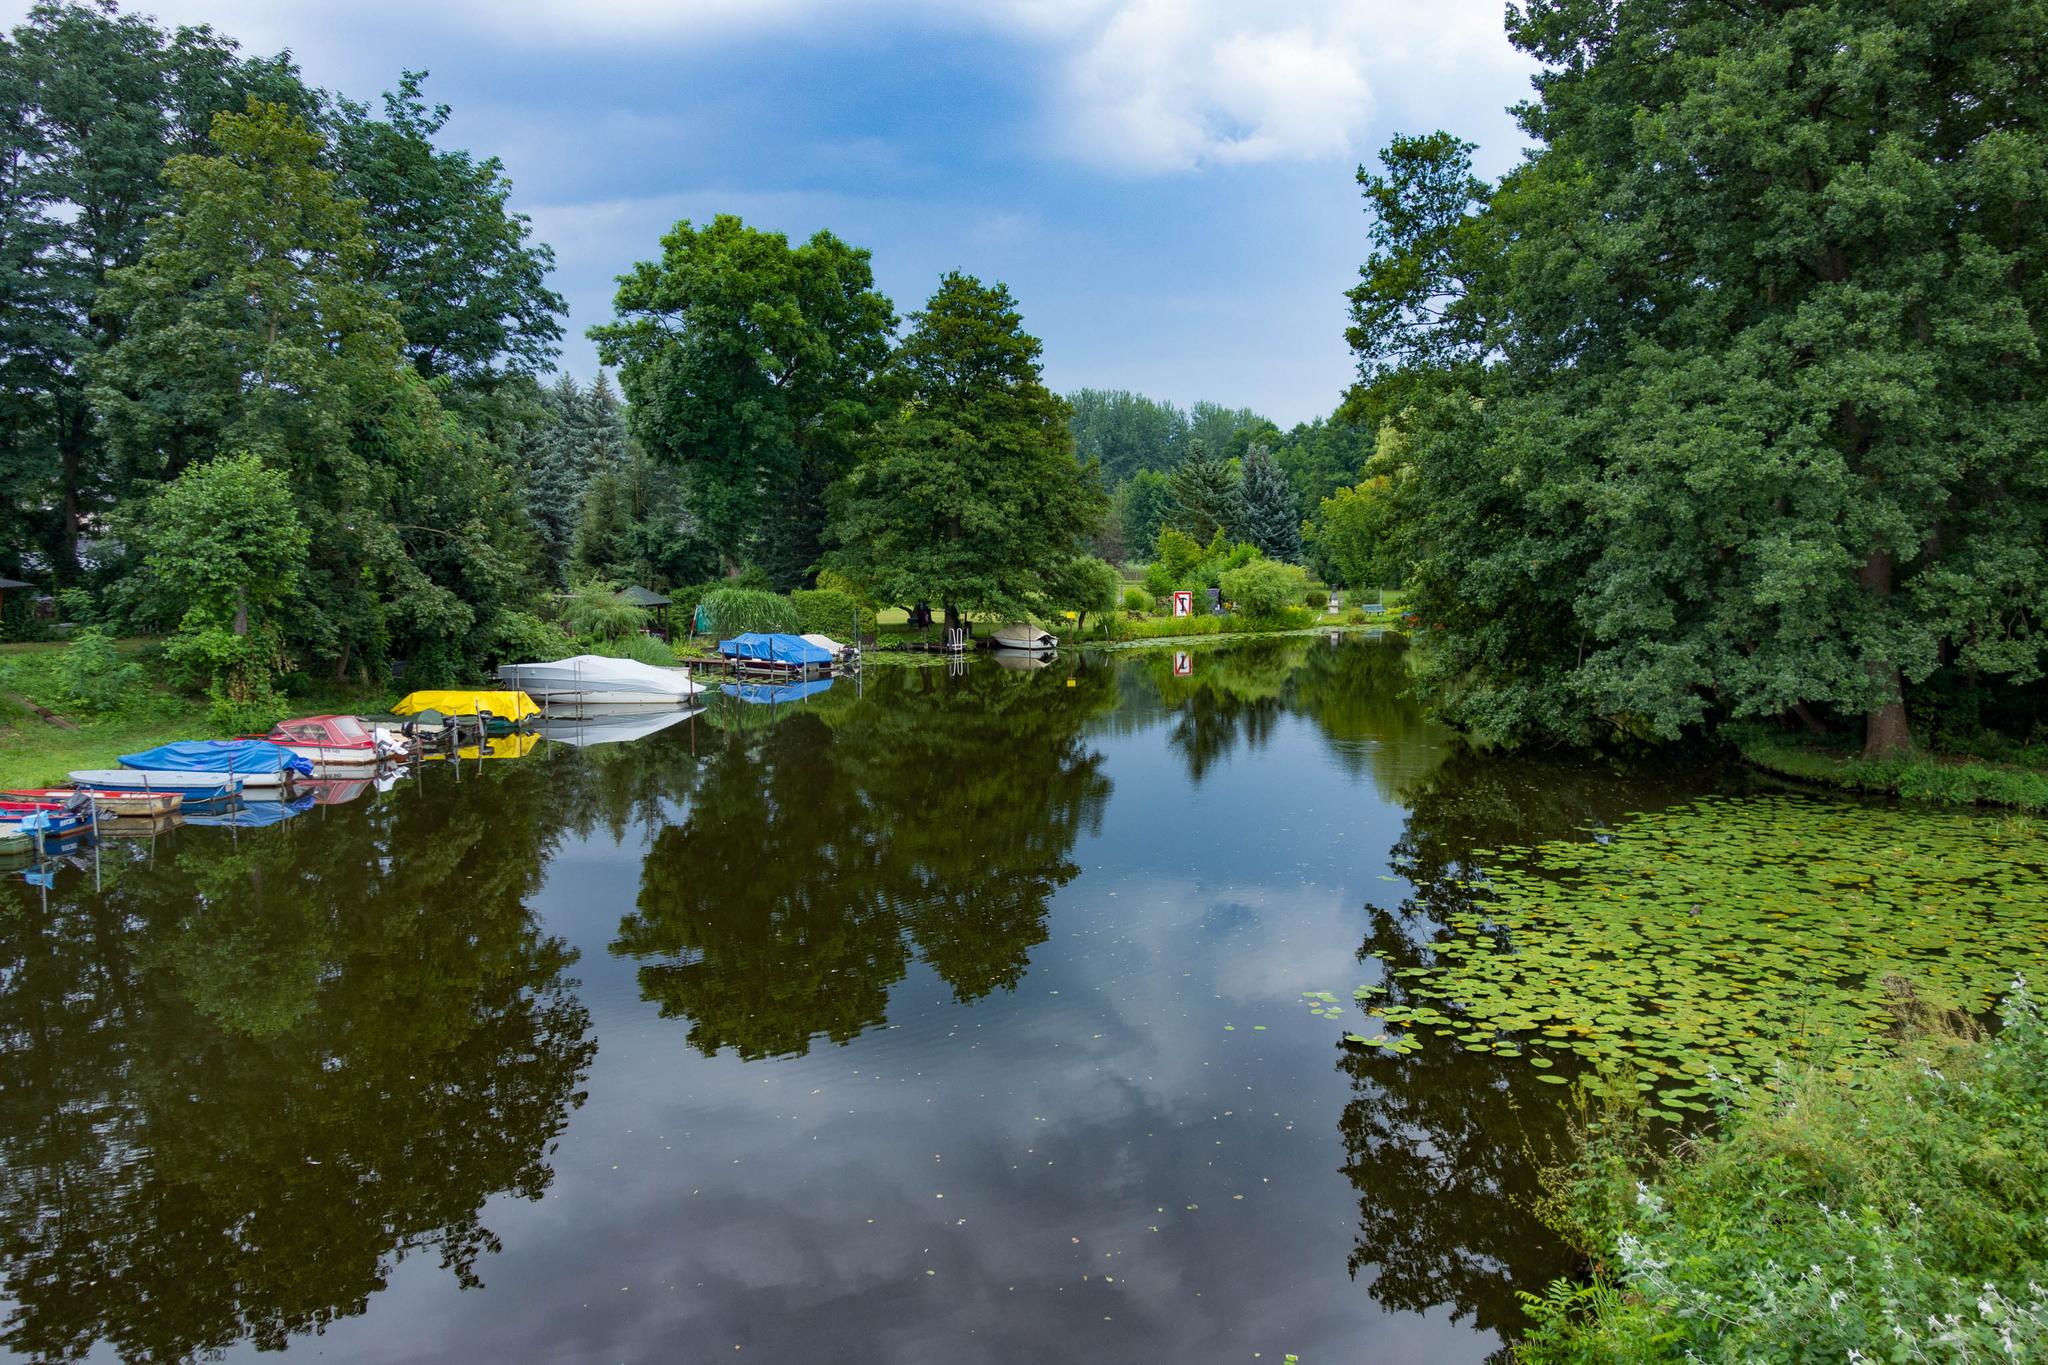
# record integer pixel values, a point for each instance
(650, 599)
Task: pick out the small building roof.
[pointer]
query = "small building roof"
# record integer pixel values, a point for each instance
(6, 583)
(642, 597)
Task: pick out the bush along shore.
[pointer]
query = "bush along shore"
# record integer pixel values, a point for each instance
(1962, 779)
(1899, 1213)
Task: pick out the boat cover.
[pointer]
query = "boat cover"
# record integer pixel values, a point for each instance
(827, 643)
(457, 702)
(781, 649)
(596, 673)
(218, 756)
(767, 694)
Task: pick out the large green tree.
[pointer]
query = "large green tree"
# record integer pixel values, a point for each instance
(251, 323)
(469, 282)
(749, 365)
(1127, 433)
(968, 492)
(1269, 516)
(1727, 402)
(94, 104)
(1202, 495)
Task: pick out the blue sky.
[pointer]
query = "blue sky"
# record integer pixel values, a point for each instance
(1166, 185)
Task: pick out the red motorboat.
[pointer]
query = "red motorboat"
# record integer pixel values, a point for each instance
(335, 741)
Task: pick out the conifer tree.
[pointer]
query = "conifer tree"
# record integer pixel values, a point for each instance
(1271, 519)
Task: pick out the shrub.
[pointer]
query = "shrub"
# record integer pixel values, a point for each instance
(1137, 601)
(20, 620)
(1897, 1214)
(522, 637)
(1264, 587)
(92, 677)
(595, 611)
(1165, 627)
(643, 649)
(830, 611)
(78, 606)
(735, 611)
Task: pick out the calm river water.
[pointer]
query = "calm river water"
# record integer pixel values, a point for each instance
(956, 1018)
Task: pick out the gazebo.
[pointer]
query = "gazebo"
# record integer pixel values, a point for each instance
(650, 599)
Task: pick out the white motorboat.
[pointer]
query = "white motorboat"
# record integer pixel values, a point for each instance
(595, 680)
(192, 786)
(1027, 638)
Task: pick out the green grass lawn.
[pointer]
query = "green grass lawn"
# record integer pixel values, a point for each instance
(1947, 779)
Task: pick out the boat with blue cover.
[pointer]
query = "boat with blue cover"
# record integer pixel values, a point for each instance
(257, 765)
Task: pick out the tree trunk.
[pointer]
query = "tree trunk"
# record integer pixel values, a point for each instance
(952, 616)
(1885, 728)
(241, 611)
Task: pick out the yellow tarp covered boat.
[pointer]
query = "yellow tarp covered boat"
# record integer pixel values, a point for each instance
(509, 706)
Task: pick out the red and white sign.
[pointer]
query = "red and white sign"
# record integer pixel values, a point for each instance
(1183, 664)
(1183, 603)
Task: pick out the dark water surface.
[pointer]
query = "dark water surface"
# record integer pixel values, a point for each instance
(958, 1019)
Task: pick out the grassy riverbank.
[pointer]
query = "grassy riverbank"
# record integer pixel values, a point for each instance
(56, 716)
(1899, 1214)
(1953, 780)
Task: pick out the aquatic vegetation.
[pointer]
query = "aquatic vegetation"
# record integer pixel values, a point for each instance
(1719, 937)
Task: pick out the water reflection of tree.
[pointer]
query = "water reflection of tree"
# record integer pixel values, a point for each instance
(940, 815)
(255, 1072)
(1444, 1145)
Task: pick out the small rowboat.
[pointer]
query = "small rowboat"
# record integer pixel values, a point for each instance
(53, 822)
(14, 841)
(113, 803)
(194, 787)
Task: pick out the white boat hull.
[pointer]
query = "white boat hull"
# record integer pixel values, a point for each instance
(119, 779)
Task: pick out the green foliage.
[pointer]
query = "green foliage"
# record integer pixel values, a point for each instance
(1140, 507)
(1128, 435)
(1917, 777)
(1137, 601)
(595, 611)
(1896, 1216)
(830, 611)
(470, 285)
(735, 611)
(634, 526)
(522, 637)
(21, 621)
(968, 493)
(577, 435)
(92, 677)
(1264, 587)
(94, 103)
(642, 649)
(225, 539)
(1202, 495)
(79, 606)
(1354, 534)
(1166, 627)
(1084, 585)
(1269, 518)
(749, 364)
(1726, 400)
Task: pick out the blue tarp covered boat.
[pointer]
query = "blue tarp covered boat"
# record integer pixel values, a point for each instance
(791, 650)
(253, 762)
(764, 694)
